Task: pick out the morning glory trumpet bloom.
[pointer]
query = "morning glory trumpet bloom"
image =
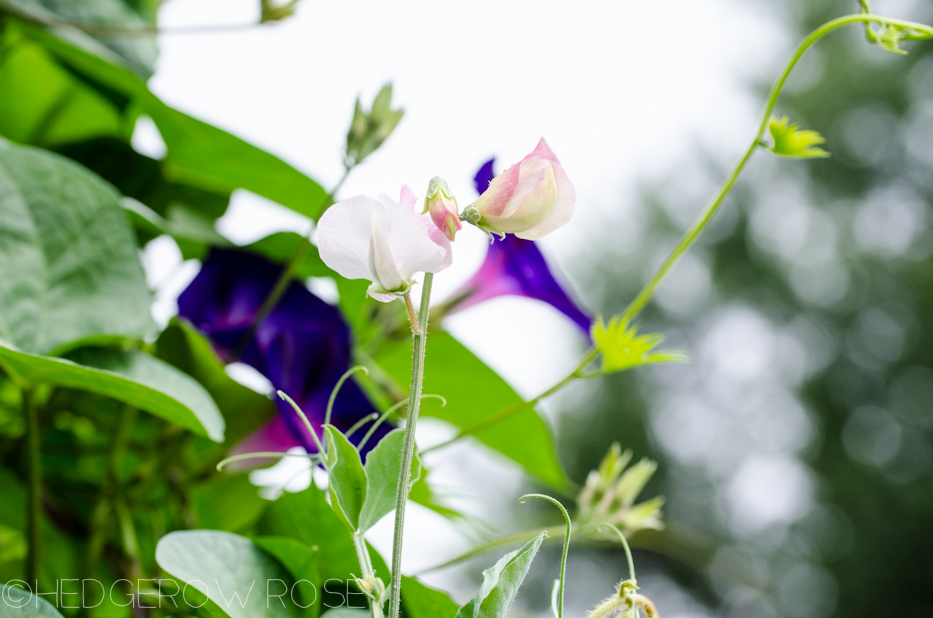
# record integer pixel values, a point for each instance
(383, 241)
(531, 199)
(514, 267)
(302, 347)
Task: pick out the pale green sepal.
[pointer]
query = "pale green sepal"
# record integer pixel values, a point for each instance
(790, 141)
(622, 348)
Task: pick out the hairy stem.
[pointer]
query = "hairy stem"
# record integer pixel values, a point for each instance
(419, 339)
(34, 502)
(367, 571)
(285, 278)
(703, 220)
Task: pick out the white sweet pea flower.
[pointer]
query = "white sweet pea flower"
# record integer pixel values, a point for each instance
(383, 241)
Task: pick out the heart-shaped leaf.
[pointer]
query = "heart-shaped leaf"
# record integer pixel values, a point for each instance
(237, 578)
(17, 603)
(68, 257)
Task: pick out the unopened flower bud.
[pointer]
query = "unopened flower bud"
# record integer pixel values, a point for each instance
(442, 206)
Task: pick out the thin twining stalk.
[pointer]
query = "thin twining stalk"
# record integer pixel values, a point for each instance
(419, 339)
(701, 222)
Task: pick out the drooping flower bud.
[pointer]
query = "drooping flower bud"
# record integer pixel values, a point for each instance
(531, 199)
(442, 206)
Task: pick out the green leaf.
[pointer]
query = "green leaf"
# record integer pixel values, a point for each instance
(244, 410)
(307, 517)
(132, 377)
(44, 104)
(227, 502)
(69, 262)
(229, 570)
(198, 153)
(138, 53)
(790, 141)
(501, 583)
(301, 562)
(382, 470)
(475, 393)
(17, 603)
(346, 612)
(421, 601)
(347, 478)
(622, 348)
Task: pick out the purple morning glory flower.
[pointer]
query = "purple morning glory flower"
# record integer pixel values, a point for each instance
(515, 267)
(302, 347)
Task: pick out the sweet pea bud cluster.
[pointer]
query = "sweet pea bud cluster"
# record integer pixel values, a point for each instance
(369, 130)
(610, 492)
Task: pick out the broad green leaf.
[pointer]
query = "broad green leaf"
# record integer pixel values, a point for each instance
(623, 348)
(44, 104)
(791, 141)
(475, 393)
(229, 570)
(421, 601)
(501, 583)
(244, 410)
(347, 479)
(136, 52)
(69, 262)
(301, 562)
(132, 377)
(227, 502)
(382, 470)
(346, 612)
(307, 517)
(17, 603)
(198, 153)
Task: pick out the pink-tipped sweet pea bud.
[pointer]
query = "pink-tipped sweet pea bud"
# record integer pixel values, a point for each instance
(531, 199)
(442, 206)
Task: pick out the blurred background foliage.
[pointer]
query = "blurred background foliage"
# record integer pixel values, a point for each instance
(795, 452)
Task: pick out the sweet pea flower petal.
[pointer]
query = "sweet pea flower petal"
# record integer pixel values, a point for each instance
(531, 199)
(383, 241)
(515, 267)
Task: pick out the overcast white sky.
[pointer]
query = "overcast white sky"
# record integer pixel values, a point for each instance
(620, 89)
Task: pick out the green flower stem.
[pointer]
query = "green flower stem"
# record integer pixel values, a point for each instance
(419, 339)
(368, 573)
(100, 517)
(34, 501)
(703, 220)
(285, 278)
(563, 559)
(512, 410)
(628, 550)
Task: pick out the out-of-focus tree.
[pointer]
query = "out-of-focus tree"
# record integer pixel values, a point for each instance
(798, 444)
